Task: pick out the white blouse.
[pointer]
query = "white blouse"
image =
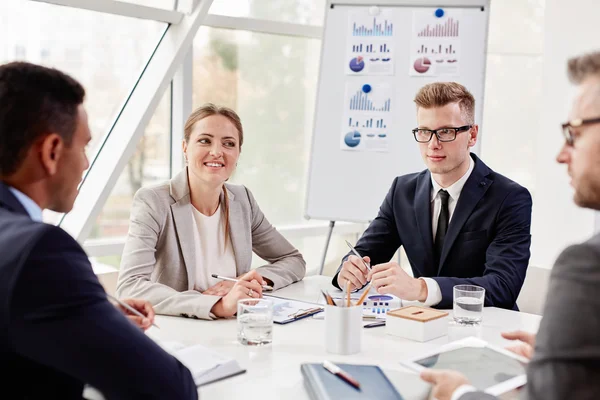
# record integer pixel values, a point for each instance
(212, 256)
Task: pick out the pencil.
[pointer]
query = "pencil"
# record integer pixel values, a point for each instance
(348, 294)
(224, 278)
(362, 298)
(129, 308)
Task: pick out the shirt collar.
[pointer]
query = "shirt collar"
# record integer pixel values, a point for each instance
(454, 189)
(34, 211)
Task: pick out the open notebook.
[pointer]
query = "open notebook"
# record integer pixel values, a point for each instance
(206, 365)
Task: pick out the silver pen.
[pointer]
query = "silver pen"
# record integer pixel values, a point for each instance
(129, 308)
(358, 255)
(224, 278)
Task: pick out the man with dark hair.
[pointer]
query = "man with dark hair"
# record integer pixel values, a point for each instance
(458, 221)
(565, 356)
(57, 329)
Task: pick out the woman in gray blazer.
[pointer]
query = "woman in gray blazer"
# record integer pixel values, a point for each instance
(196, 225)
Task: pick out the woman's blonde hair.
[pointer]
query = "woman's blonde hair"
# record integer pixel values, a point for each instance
(205, 111)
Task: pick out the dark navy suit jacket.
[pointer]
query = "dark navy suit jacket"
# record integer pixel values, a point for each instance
(57, 328)
(487, 243)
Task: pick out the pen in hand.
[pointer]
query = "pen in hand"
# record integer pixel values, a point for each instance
(129, 308)
(224, 278)
(358, 255)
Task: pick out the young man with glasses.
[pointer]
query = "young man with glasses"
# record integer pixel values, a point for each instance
(565, 355)
(458, 221)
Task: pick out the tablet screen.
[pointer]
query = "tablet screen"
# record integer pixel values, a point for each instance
(483, 366)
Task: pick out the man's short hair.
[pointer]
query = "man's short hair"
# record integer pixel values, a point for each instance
(583, 67)
(439, 94)
(34, 101)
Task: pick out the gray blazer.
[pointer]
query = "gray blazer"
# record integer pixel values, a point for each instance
(158, 262)
(566, 361)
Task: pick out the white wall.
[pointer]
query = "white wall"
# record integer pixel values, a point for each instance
(570, 28)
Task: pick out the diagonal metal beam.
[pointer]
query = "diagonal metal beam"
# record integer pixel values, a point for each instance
(120, 144)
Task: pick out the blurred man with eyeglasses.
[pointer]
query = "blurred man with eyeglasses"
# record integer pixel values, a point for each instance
(565, 355)
(458, 221)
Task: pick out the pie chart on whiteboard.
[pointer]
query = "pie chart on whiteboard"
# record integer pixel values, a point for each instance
(357, 64)
(352, 139)
(422, 65)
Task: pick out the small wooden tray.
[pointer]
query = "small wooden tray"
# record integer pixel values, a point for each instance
(417, 313)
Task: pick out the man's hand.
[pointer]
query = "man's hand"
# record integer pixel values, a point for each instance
(524, 349)
(353, 271)
(142, 306)
(389, 278)
(444, 382)
(220, 289)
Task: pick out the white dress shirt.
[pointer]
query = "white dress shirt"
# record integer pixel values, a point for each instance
(434, 294)
(34, 211)
(463, 389)
(212, 255)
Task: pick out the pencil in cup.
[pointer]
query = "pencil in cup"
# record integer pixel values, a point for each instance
(364, 295)
(348, 302)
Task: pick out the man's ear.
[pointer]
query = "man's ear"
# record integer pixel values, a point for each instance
(473, 135)
(51, 150)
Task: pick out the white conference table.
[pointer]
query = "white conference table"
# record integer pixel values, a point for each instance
(273, 371)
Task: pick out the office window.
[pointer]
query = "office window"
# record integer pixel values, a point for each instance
(165, 4)
(270, 81)
(310, 12)
(150, 164)
(105, 52)
(513, 89)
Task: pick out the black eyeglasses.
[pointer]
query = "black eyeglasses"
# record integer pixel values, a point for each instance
(443, 134)
(567, 128)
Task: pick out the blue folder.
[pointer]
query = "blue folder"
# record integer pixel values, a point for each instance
(323, 385)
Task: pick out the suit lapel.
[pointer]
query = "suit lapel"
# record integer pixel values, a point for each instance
(184, 226)
(238, 234)
(471, 194)
(423, 215)
(184, 223)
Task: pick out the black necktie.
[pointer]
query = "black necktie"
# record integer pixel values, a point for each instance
(442, 228)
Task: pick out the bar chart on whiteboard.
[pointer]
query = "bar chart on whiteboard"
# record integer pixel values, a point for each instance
(369, 43)
(435, 42)
(367, 116)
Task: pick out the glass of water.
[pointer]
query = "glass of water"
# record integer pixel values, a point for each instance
(255, 322)
(468, 304)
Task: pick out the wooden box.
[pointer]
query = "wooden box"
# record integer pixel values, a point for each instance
(417, 323)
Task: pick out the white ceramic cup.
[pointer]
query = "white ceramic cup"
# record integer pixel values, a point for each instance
(343, 329)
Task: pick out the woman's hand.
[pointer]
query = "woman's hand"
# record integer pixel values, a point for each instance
(220, 289)
(249, 286)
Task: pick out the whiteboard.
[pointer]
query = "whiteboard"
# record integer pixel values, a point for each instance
(349, 184)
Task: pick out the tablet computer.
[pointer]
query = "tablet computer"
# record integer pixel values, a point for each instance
(488, 368)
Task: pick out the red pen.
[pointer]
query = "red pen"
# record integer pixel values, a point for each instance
(334, 369)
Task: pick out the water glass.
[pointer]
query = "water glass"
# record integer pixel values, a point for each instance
(255, 322)
(468, 304)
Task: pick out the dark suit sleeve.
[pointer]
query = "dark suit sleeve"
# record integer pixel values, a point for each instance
(507, 256)
(381, 240)
(60, 317)
(566, 361)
